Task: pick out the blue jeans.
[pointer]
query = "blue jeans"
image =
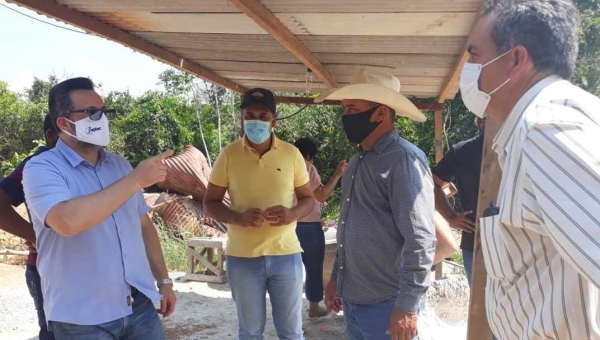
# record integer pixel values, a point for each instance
(251, 278)
(312, 240)
(468, 263)
(144, 323)
(368, 322)
(32, 277)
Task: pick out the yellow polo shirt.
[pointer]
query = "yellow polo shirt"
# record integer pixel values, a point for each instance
(260, 182)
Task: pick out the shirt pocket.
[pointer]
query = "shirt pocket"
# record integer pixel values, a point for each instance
(494, 251)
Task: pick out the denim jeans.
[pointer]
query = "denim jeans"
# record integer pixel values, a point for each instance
(468, 263)
(32, 277)
(251, 278)
(369, 322)
(144, 323)
(312, 240)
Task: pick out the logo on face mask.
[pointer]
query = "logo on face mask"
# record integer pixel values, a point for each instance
(90, 130)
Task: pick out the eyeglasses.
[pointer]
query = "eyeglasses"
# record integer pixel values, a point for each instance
(96, 114)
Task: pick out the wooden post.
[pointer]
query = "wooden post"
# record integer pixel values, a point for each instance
(491, 174)
(439, 153)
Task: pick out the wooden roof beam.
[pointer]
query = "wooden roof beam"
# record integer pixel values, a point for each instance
(270, 23)
(452, 82)
(308, 100)
(62, 13)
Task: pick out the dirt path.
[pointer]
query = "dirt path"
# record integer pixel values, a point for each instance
(207, 312)
(204, 311)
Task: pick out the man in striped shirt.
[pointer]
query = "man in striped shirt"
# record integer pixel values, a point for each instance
(541, 239)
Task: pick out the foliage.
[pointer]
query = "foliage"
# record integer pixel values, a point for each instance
(193, 112)
(587, 73)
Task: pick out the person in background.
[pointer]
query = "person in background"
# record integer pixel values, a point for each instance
(386, 236)
(310, 229)
(97, 248)
(262, 175)
(462, 163)
(541, 237)
(12, 195)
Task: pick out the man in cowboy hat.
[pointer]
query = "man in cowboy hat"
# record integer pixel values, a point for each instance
(386, 240)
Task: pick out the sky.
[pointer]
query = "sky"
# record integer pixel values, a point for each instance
(30, 48)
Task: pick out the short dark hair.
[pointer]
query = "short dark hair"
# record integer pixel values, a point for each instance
(59, 100)
(48, 124)
(392, 111)
(307, 147)
(548, 29)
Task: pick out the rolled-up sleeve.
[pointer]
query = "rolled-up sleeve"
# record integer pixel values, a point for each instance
(44, 187)
(412, 202)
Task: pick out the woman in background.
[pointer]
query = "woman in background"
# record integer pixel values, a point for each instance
(310, 230)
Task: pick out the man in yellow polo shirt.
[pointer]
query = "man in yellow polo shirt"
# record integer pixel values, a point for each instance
(262, 175)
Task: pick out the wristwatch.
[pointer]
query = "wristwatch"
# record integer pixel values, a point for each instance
(164, 282)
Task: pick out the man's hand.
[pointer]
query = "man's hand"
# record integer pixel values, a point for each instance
(151, 170)
(462, 222)
(167, 304)
(280, 215)
(341, 168)
(251, 218)
(403, 326)
(31, 246)
(332, 302)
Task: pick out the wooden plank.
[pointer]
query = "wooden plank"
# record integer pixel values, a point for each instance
(317, 44)
(349, 24)
(308, 100)
(277, 6)
(191, 263)
(439, 153)
(301, 86)
(206, 278)
(336, 69)
(491, 175)
(220, 261)
(389, 61)
(217, 242)
(438, 136)
(240, 55)
(202, 260)
(270, 23)
(452, 83)
(62, 13)
(346, 78)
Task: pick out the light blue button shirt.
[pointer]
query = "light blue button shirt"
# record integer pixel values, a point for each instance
(87, 278)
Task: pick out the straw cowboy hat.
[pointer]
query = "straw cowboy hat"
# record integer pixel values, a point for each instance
(378, 87)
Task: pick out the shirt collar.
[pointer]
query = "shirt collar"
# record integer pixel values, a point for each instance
(383, 142)
(73, 157)
(274, 142)
(503, 136)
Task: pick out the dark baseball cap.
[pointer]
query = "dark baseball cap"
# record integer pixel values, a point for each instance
(259, 96)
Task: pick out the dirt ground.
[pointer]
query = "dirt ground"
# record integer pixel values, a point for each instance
(207, 311)
(204, 311)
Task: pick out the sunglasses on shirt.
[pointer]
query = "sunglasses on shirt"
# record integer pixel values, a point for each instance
(96, 114)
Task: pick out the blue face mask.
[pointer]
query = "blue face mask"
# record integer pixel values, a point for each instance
(257, 131)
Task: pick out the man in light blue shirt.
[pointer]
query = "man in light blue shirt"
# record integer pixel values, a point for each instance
(98, 251)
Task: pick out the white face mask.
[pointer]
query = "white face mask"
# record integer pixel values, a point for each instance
(476, 100)
(91, 131)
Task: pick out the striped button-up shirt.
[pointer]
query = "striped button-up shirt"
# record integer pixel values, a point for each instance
(542, 251)
(386, 237)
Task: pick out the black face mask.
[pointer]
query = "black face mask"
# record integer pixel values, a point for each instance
(358, 126)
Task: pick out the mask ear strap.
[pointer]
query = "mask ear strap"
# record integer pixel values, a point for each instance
(499, 87)
(498, 57)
